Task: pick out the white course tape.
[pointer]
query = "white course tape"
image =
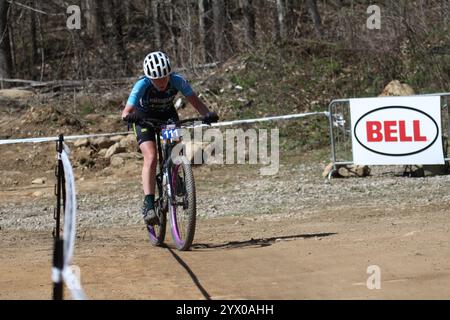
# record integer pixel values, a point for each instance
(50, 139)
(285, 117)
(219, 124)
(56, 275)
(275, 118)
(70, 210)
(73, 283)
(71, 280)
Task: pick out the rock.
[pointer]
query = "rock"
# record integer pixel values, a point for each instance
(102, 143)
(37, 194)
(84, 156)
(116, 138)
(117, 161)
(415, 171)
(102, 153)
(435, 170)
(81, 143)
(438, 169)
(129, 143)
(343, 172)
(137, 155)
(327, 170)
(360, 171)
(114, 149)
(38, 181)
(396, 88)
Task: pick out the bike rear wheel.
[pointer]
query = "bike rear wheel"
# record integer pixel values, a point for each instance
(183, 209)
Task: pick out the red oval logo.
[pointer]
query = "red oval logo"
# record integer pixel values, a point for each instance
(396, 131)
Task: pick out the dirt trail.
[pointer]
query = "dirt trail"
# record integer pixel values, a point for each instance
(288, 236)
(292, 259)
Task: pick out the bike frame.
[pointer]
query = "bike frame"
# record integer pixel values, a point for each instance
(165, 160)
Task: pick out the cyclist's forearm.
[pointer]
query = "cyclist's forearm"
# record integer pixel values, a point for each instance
(198, 104)
(127, 110)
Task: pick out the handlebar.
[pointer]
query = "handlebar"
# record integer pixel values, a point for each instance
(156, 123)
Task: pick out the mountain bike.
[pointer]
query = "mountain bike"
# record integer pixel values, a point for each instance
(175, 186)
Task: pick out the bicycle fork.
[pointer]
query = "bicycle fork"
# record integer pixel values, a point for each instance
(167, 185)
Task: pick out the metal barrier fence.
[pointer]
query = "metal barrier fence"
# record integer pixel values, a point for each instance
(341, 130)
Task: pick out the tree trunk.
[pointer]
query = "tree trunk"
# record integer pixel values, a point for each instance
(148, 8)
(91, 19)
(13, 50)
(33, 60)
(5, 49)
(206, 29)
(315, 16)
(219, 28)
(249, 22)
(230, 7)
(156, 24)
(34, 45)
(280, 33)
(116, 9)
(173, 27)
(291, 16)
(95, 23)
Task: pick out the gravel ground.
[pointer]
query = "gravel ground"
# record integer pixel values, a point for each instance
(298, 189)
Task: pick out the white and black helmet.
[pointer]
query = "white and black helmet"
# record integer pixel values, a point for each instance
(157, 65)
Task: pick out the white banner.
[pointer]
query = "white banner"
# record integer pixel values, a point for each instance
(397, 130)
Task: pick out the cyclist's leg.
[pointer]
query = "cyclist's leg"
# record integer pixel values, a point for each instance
(148, 150)
(147, 145)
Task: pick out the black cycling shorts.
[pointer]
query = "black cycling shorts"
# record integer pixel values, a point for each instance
(144, 134)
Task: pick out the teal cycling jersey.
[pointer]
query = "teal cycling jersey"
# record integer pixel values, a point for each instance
(145, 97)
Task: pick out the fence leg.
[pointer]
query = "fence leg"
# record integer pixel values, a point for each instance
(58, 250)
(58, 262)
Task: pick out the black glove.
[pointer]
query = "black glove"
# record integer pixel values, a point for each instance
(131, 118)
(210, 117)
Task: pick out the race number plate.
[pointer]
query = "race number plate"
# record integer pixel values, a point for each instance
(171, 134)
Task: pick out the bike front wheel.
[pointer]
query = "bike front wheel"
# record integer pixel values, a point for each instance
(183, 207)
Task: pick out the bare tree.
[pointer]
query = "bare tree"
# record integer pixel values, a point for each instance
(249, 22)
(91, 15)
(206, 29)
(280, 24)
(5, 49)
(315, 16)
(156, 24)
(292, 7)
(33, 56)
(116, 9)
(172, 25)
(219, 28)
